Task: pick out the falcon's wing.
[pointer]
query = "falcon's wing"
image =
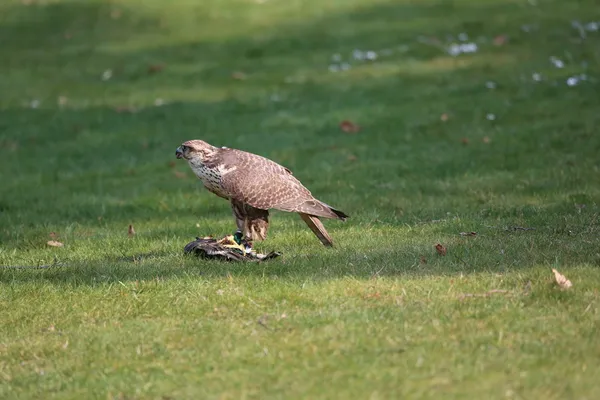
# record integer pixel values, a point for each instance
(260, 182)
(264, 184)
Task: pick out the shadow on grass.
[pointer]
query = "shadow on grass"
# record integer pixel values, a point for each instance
(389, 253)
(151, 266)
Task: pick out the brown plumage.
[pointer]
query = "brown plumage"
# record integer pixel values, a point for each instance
(254, 184)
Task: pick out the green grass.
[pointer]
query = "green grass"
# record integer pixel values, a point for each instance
(381, 315)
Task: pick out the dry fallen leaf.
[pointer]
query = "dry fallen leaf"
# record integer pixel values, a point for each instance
(561, 280)
(468, 234)
(423, 260)
(115, 14)
(131, 231)
(55, 243)
(500, 40)
(444, 117)
(349, 127)
(464, 141)
(352, 157)
(375, 295)
(440, 249)
(154, 68)
(238, 76)
(179, 174)
(172, 164)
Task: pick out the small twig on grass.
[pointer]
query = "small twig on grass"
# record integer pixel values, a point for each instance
(253, 302)
(262, 321)
(519, 228)
(375, 274)
(486, 294)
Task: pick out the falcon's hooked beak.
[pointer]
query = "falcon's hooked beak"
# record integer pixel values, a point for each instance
(179, 152)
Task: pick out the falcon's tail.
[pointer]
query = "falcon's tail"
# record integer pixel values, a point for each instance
(319, 209)
(318, 229)
(340, 214)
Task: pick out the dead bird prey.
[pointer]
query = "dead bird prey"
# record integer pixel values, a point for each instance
(255, 184)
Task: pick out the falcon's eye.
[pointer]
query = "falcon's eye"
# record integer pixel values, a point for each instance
(183, 148)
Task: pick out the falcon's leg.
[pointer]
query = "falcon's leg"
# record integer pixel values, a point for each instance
(252, 222)
(238, 213)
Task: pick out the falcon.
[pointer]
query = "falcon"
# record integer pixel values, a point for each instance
(253, 185)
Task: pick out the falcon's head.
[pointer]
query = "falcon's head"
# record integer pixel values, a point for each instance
(197, 150)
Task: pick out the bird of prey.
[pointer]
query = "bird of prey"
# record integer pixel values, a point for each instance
(254, 184)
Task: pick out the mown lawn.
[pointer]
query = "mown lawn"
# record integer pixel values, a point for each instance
(502, 140)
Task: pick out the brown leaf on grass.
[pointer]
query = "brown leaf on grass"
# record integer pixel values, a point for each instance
(349, 127)
(238, 76)
(468, 234)
(179, 174)
(441, 250)
(53, 235)
(352, 157)
(423, 260)
(464, 141)
(116, 13)
(500, 40)
(172, 164)
(130, 231)
(375, 295)
(486, 139)
(154, 68)
(561, 280)
(54, 243)
(444, 117)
